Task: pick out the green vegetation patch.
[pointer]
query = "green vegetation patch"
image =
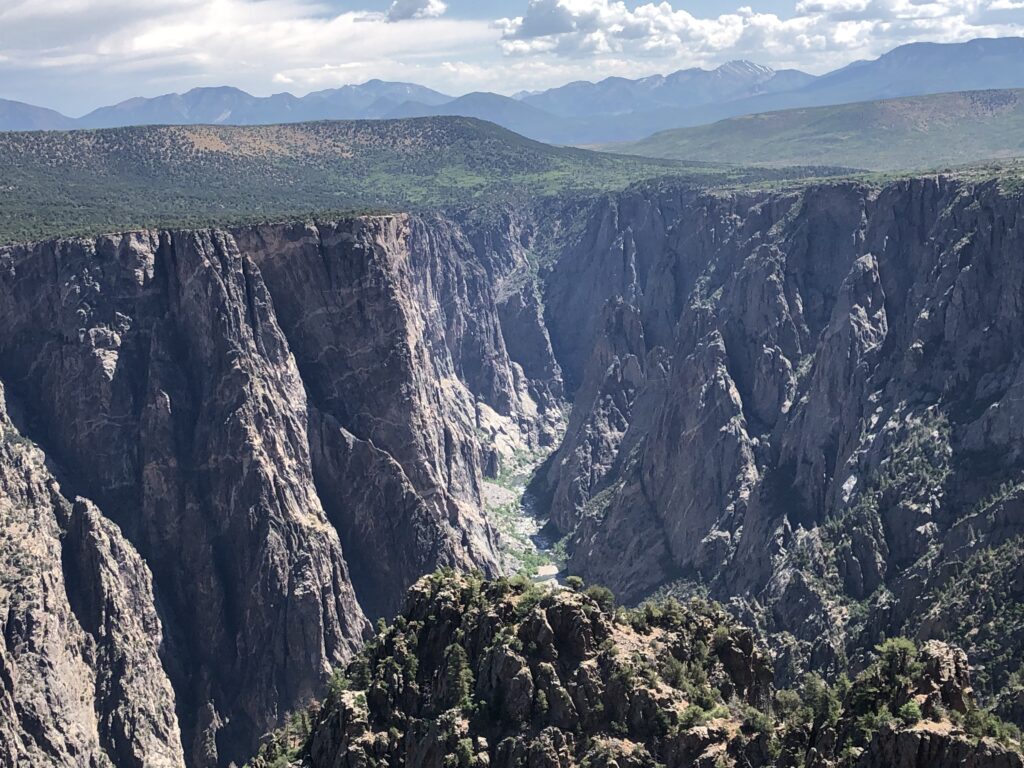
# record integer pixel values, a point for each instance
(66, 183)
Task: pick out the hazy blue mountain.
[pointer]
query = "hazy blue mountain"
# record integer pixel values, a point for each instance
(685, 88)
(16, 116)
(200, 105)
(371, 100)
(917, 69)
(922, 68)
(231, 106)
(582, 113)
(613, 109)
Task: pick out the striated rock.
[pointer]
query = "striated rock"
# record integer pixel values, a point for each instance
(81, 678)
(283, 422)
(379, 357)
(837, 376)
(600, 418)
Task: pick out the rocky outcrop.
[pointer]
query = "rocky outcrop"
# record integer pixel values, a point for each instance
(497, 673)
(506, 674)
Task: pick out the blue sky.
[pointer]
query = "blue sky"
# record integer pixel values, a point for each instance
(75, 55)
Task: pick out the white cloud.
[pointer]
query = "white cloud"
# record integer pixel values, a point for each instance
(403, 10)
(819, 35)
(78, 54)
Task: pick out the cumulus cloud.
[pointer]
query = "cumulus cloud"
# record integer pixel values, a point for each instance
(78, 54)
(403, 10)
(820, 34)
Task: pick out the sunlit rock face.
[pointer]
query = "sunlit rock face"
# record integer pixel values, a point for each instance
(281, 422)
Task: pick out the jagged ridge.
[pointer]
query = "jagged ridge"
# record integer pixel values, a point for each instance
(807, 402)
(505, 674)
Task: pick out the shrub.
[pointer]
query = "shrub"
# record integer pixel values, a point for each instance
(822, 700)
(359, 673)
(720, 637)
(692, 716)
(984, 723)
(788, 705)
(458, 677)
(898, 657)
(464, 753)
(756, 721)
(909, 713)
(338, 685)
(872, 722)
(541, 702)
(603, 596)
(673, 671)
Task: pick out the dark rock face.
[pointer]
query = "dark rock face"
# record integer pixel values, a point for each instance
(801, 400)
(917, 748)
(81, 680)
(391, 380)
(283, 422)
(177, 403)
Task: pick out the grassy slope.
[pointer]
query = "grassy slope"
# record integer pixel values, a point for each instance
(919, 132)
(83, 182)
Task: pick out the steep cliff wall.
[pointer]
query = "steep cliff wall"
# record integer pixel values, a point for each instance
(81, 682)
(283, 421)
(803, 401)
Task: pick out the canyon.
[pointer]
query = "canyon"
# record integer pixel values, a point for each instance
(226, 452)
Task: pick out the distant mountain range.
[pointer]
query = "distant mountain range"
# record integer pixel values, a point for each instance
(913, 132)
(231, 106)
(614, 109)
(687, 88)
